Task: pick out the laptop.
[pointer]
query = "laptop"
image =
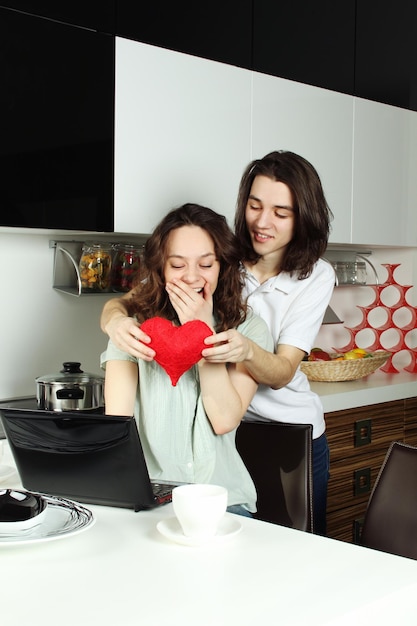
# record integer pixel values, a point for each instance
(91, 458)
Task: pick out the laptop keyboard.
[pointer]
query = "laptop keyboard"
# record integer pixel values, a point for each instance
(162, 493)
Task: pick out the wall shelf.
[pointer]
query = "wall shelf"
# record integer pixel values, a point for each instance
(344, 255)
(66, 274)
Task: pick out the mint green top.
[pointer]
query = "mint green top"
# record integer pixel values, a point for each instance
(177, 437)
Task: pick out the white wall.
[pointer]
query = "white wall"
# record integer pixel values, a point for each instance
(40, 327)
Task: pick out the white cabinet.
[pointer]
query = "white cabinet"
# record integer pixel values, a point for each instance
(182, 134)
(317, 124)
(186, 127)
(384, 175)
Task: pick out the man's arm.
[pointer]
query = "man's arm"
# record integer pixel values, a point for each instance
(112, 310)
(273, 369)
(125, 331)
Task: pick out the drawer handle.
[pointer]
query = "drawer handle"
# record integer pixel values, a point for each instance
(362, 481)
(357, 530)
(363, 432)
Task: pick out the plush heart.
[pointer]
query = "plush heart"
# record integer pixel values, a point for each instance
(177, 347)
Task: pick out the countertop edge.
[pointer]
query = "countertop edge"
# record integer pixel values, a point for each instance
(373, 389)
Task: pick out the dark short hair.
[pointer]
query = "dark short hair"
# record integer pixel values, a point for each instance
(311, 211)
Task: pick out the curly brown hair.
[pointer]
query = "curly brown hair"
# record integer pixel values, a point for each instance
(312, 213)
(150, 298)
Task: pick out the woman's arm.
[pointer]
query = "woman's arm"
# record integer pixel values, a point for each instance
(121, 381)
(226, 393)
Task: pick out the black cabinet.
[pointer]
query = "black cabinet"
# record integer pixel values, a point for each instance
(57, 115)
(309, 42)
(217, 30)
(386, 52)
(95, 14)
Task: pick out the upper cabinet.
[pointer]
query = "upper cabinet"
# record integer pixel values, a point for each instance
(182, 133)
(386, 52)
(316, 123)
(57, 108)
(95, 14)
(115, 111)
(217, 30)
(365, 153)
(384, 175)
(309, 42)
(365, 48)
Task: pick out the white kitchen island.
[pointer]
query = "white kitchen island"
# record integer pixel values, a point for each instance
(123, 572)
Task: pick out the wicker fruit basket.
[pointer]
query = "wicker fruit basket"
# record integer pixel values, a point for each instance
(339, 371)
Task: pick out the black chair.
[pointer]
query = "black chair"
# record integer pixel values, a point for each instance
(278, 456)
(390, 523)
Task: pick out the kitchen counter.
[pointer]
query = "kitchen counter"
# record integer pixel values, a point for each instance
(373, 389)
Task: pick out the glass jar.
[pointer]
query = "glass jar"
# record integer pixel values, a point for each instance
(356, 273)
(350, 272)
(341, 272)
(126, 264)
(95, 267)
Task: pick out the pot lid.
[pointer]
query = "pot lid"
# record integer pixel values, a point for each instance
(71, 373)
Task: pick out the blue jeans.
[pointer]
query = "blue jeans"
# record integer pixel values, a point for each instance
(321, 464)
(238, 509)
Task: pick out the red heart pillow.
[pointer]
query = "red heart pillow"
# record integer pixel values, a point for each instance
(177, 347)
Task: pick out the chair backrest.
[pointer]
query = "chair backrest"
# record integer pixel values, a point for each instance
(278, 456)
(390, 522)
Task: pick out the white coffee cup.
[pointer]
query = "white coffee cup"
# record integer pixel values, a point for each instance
(199, 509)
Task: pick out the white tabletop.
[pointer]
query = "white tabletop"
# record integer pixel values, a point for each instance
(122, 572)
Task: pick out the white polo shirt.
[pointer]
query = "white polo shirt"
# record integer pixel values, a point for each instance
(293, 310)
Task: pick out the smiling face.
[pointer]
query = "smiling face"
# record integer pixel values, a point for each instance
(270, 218)
(191, 257)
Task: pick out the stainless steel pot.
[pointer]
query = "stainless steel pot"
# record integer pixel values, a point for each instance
(70, 390)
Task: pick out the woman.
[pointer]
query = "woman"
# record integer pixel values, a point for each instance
(188, 430)
(282, 223)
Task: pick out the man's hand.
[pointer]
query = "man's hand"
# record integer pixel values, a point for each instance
(228, 346)
(126, 335)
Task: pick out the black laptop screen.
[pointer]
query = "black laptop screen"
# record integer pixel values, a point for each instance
(88, 458)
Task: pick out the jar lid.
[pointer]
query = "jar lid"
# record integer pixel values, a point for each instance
(127, 246)
(96, 245)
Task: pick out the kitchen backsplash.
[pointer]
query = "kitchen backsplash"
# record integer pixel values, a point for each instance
(41, 327)
(346, 299)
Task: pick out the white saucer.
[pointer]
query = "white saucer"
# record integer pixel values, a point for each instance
(6, 472)
(170, 528)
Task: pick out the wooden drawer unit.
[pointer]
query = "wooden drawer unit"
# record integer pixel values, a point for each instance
(346, 524)
(410, 421)
(358, 440)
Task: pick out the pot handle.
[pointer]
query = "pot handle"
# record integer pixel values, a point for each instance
(71, 367)
(68, 393)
